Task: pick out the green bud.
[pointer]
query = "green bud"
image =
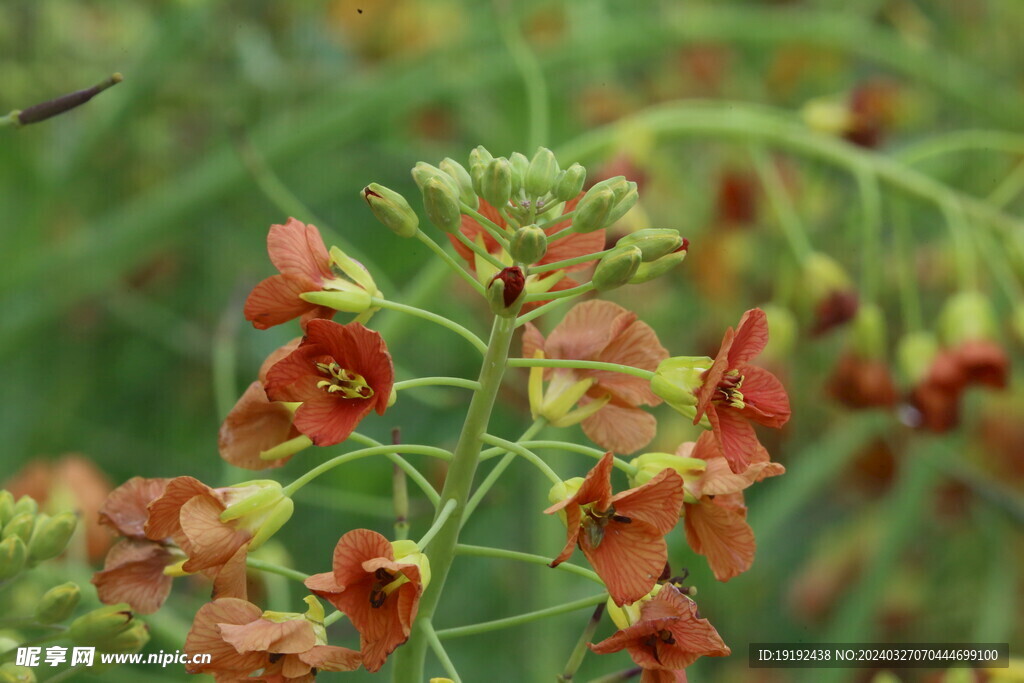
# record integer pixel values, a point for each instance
(58, 603)
(98, 627)
(869, 332)
(352, 301)
(570, 183)
(479, 155)
(391, 209)
(616, 269)
(13, 554)
(677, 380)
(423, 172)
(528, 244)
(20, 525)
(51, 536)
(622, 207)
(542, 173)
(496, 182)
(915, 354)
(441, 205)
(505, 291)
(520, 166)
(6, 507)
(783, 326)
(649, 271)
(130, 640)
(26, 504)
(461, 177)
(822, 276)
(967, 316)
(12, 673)
(592, 211)
(650, 465)
(653, 242)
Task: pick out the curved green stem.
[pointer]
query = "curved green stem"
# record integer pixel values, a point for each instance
(782, 203)
(1009, 188)
(555, 221)
(437, 381)
(962, 140)
(442, 517)
(336, 461)
(518, 449)
(492, 228)
(478, 250)
(565, 263)
(529, 558)
(581, 649)
(553, 237)
(455, 266)
(963, 246)
(533, 78)
(334, 616)
(570, 293)
(871, 207)
(434, 318)
(272, 568)
(579, 365)
(439, 652)
(519, 619)
(540, 310)
(585, 450)
(910, 296)
(498, 470)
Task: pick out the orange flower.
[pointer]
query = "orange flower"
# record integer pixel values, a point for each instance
(376, 590)
(601, 331)
(716, 525)
(937, 396)
(622, 535)
(134, 569)
(242, 639)
(735, 393)
(858, 382)
(669, 636)
(339, 373)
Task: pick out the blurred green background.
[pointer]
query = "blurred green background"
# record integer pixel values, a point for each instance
(134, 227)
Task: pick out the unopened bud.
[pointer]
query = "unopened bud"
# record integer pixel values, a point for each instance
(564, 489)
(504, 291)
(655, 269)
(542, 173)
(869, 332)
(629, 614)
(422, 172)
(824, 276)
(528, 244)
(461, 177)
(967, 316)
(650, 465)
(442, 205)
(570, 183)
(496, 182)
(259, 506)
(350, 301)
(653, 242)
(58, 603)
(677, 379)
(622, 207)
(98, 627)
(51, 536)
(20, 525)
(915, 354)
(479, 155)
(26, 504)
(592, 212)
(130, 640)
(12, 673)
(391, 209)
(615, 269)
(13, 554)
(520, 165)
(6, 507)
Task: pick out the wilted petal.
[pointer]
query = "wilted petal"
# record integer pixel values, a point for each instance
(636, 346)
(126, 510)
(332, 658)
(587, 329)
(255, 424)
(210, 542)
(134, 573)
(164, 512)
(205, 638)
(263, 635)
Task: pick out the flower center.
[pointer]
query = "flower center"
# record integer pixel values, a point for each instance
(384, 586)
(345, 383)
(729, 389)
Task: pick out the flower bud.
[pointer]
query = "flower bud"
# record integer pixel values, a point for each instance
(627, 615)
(592, 212)
(391, 209)
(622, 207)
(6, 507)
(650, 465)
(570, 183)
(496, 182)
(354, 301)
(823, 276)
(58, 603)
(520, 165)
(13, 554)
(677, 379)
(26, 504)
(564, 489)
(616, 268)
(649, 271)
(260, 506)
(479, 155)
(542, 173)
(967, 316)
(130, 640)
(915, 354)
(98, 627)
(442, 205)
(51, 536)
(20, 525)
(653, 242)
(869, 332)
(423, 172)
(528, 244)
(505, 289)
(408, 552)
(461, 177)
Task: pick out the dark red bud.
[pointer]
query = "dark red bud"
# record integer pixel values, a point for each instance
(514, 281)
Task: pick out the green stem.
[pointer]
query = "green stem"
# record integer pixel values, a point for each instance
(533, 78)
(448, 259)
(580, 448)
(560, 234)
(498, 470)
(439, 652)
(437, 381)
(782, 203)
(540, 310)
(562, 293)
(579, 365)
(565, 263)
(439, 521)
(1009, 188)
(555, 221)
(324, 467)
(333, 617)
(272, 568)
(478, 250)
(417, 478)
(529, 558)
(518, 449)
(434, 318)
(507, 622)
(910, 297)
(871, 254)
(963, 247)
(619, 676)
(400, 496)
(492, 228)
(581, 649)
(962, 140)
(408, 661)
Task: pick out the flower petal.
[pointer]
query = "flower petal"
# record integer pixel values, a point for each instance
(276, 300)
(766, 399)
(210, 542)
(329, 420)
(735, 435)
(126, 508)
(255, 424)
(354, 548)
(533, 340)
(620, 429)
(332, 658)
(587, 329)
(721, 534)
(263, 635)
(229, 579)
(573, 245)
(657, 502)
(294, 377)
(277, 355)
(629, 558)
(163, 521)
(204, 637)
(134, 573)
(713, 375)
(636, 346)
(298, 250)
(751, 337)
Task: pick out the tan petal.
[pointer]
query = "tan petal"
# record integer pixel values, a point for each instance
(163, 519)
(721, 534)
(263, 635)
(205, 638)
(229, 580)
(587, 329)
(210, 542)
(620, 429)
(636, 346)
(126, 511)
(332, 658)
(255, 424)
(134, 573)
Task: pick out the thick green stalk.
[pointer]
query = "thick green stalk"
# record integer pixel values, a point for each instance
(408, 660)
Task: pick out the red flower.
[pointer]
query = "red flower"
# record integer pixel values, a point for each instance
(379, 594)
(734, 392)
(937, 396)
(622, 536)
(669, 636)
(339, 373)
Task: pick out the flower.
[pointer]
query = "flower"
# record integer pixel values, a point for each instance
(622, 536)
(377, 584)
(242, 639)
(134, 569)
(716, 525)
(568, 246)
(937, 396)
(256, 425)
(859, 382)
(312, 282)
(668, 637)
(733, 392)
(339, 373)
(598, 331)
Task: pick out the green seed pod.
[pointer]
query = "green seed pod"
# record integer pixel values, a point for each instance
(496, 182)
(100, 626)
(51, 536)
(441, 205)
(592, 211)
(967, 316)
(58, 603)
(914, 355)
(542, 173)
(12, 673)
(616, 268)
(653, 242)
(528, 244)
(423, 172)
(520, 167)
(6, 507)
(655, 269)
(461, 177)
(570, 184)
(13, 554)
(20, 525)
(26, 504)
(869, 332)
(391, 209)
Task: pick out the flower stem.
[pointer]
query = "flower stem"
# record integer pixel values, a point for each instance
(399, 494)
(309, 476)
(564, 232)
(498, 470)
(478, 250)
(439, 651)
(562, 293)
(540, 310)
(565, 263)
(271, 568)
(556, 220)
(434, 318)
(518, 449)
(503, 554)
(448, 259)
(439, 521)
(507, 622)
(579, 448)
(581, 649)
(408, 660)
(533, 77)
(871, 254)
(966, 261)
(619, 676)
(437, 381)
(910, 296)
(492, 228)
(579, 365)
(782, 203)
